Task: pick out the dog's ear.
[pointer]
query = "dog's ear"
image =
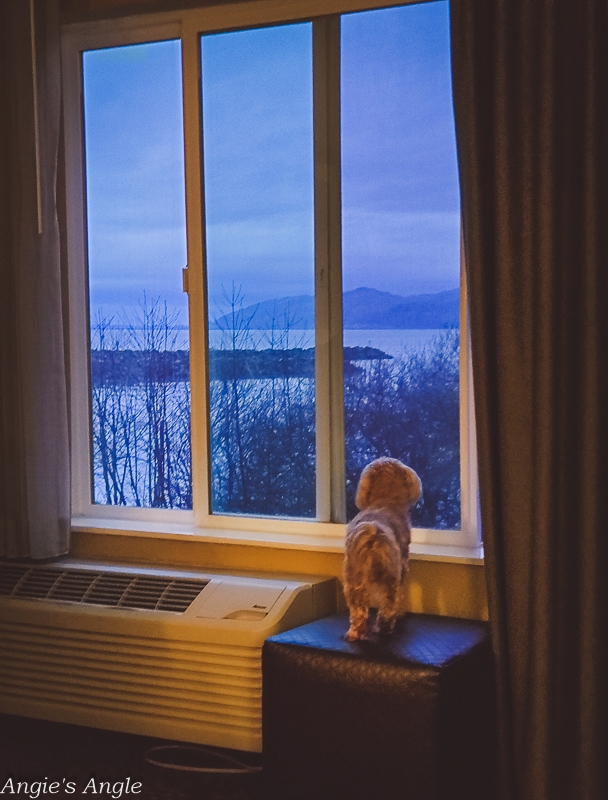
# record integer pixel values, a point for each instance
(364, 488)
(377, 482)
(412, 486)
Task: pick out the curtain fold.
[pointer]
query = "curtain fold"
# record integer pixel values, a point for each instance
(530, 86)
(34, 451)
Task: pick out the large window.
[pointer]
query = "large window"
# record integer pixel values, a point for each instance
(265, 267)
(136, 246)
(401, 252)
(259, 212)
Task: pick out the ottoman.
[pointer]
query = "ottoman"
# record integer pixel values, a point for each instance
(408, 717)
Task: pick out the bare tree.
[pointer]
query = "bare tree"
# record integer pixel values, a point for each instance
(263, 428)
(141, 412)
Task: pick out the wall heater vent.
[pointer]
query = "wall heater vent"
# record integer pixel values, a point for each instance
(159, 652)
(98, 588)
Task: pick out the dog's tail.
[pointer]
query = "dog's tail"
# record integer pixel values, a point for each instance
(370, 544)
(368, 537)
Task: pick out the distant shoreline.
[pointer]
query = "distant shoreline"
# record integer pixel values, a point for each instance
(139, 367)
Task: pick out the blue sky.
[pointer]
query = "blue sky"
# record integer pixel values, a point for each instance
(135, 175)
(401, 211)
(400, 196)
(257, 133)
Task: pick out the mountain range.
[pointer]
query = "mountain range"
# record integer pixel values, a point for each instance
(363, 309)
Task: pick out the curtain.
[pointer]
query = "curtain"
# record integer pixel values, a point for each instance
(530, 80)
(34, 453)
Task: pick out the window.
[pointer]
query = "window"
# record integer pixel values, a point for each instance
(257, 133)
(134, 167)
(264, 244)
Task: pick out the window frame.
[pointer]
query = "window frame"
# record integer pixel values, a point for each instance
(188, 26)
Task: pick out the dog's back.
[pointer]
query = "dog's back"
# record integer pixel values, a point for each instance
(377, 547)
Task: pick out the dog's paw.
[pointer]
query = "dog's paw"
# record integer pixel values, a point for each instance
(356, 633)
(384, 627)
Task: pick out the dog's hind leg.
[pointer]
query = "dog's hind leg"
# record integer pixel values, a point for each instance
(388, 610)
(357, 602)
(358, 626)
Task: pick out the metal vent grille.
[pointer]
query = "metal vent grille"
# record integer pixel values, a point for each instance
(73, 585)
(89, 587)
(10, 575)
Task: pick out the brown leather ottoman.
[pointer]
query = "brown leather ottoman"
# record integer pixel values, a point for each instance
(410, 717)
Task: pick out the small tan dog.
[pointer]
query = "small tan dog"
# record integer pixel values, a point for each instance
(377, 545)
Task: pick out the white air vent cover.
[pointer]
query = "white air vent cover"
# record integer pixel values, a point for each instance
(99, 588)
(168, 653)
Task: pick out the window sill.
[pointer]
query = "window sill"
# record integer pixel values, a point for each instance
(274, 539)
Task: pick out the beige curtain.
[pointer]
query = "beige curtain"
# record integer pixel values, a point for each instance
(34, 452)
(530, 82)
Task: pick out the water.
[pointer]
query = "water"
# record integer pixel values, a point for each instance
(392, 342)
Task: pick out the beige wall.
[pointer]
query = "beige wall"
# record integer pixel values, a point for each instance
(83, 10)
(433, 587)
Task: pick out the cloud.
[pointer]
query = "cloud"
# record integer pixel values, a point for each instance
(394, 232)
(271, 256)
(272, 236)
(127, 249)
(392, 251)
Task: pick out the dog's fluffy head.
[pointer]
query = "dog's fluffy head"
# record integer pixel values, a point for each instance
(386, 482)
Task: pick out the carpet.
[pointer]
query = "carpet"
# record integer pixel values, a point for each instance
(51, 759)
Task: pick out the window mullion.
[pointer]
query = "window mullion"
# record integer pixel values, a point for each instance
(196, 284)
(81, 426)
(331, 500)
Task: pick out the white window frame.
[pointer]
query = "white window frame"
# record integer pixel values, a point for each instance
(188, 26)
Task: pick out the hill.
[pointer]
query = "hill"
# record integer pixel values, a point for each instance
(363, 309)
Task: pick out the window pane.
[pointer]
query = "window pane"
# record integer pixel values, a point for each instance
(140, 391)
(401, 228)
(258, 169)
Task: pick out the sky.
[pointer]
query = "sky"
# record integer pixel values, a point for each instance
(400, 203)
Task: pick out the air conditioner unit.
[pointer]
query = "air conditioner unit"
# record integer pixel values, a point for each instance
(168, 653)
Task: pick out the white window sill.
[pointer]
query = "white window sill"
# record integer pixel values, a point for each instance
(277, 540)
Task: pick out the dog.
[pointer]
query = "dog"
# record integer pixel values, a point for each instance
(377, 546)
